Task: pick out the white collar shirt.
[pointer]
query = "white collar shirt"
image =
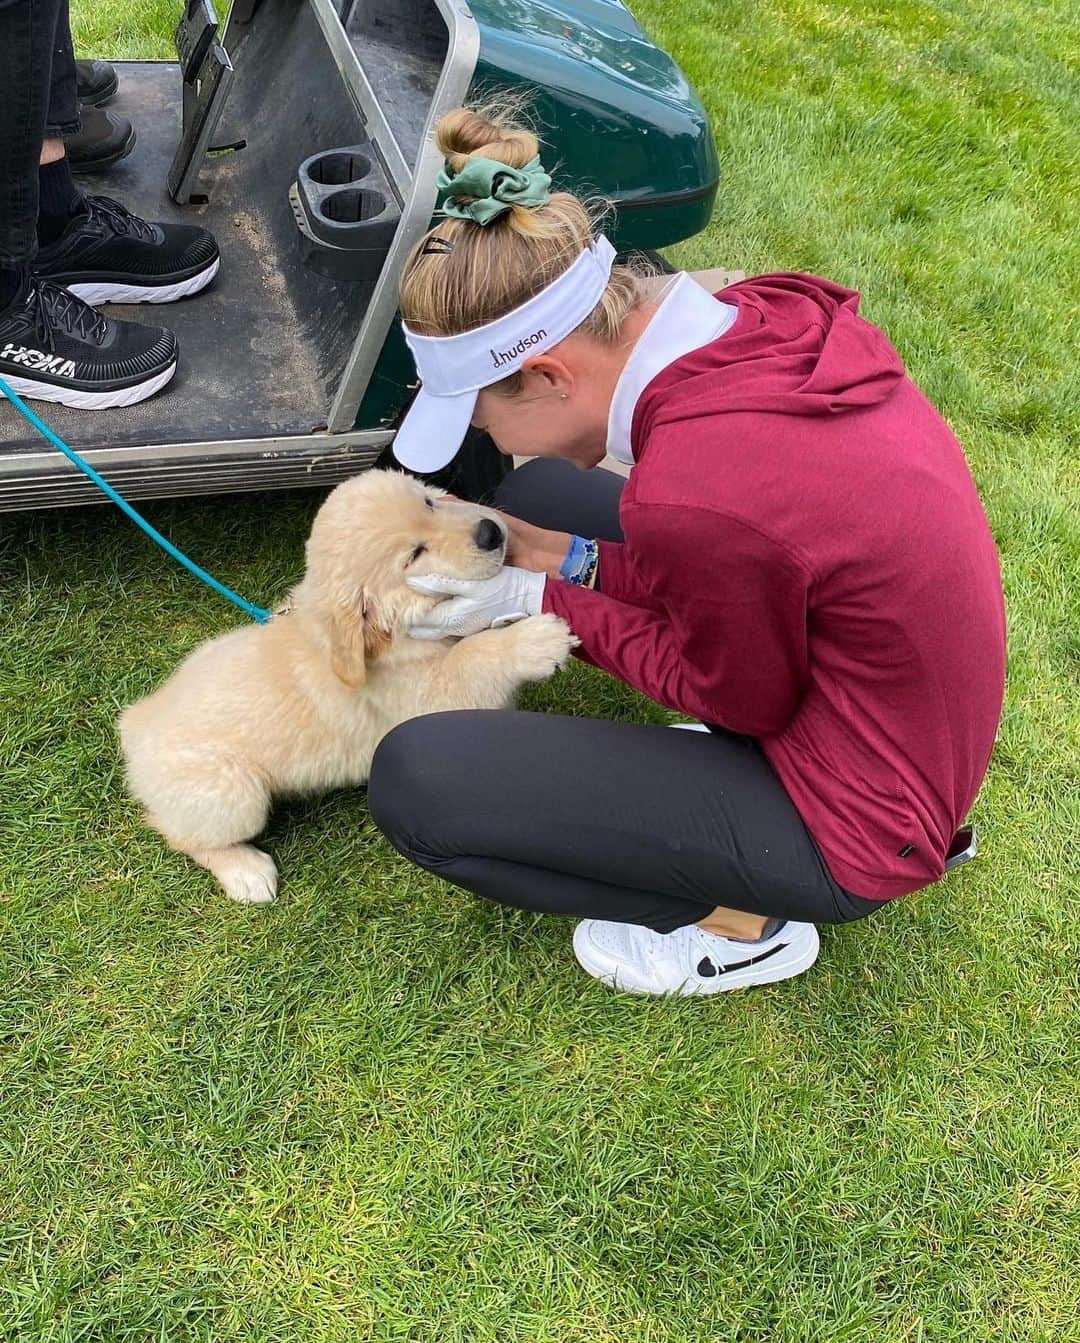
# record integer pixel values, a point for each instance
(687, 317)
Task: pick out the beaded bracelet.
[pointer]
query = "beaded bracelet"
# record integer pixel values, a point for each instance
(580, 563)
(588, 574)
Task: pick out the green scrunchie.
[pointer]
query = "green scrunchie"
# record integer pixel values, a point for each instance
(495, 187)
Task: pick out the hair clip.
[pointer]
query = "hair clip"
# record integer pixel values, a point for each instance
(436, 247)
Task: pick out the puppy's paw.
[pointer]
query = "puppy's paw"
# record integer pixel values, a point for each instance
(247, 875)
(541, 646)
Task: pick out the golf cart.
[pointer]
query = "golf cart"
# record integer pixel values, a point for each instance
(301, 134)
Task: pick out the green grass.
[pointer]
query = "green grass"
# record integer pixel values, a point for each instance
(383, 1111)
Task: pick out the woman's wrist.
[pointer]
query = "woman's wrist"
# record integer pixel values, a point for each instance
(548, 559)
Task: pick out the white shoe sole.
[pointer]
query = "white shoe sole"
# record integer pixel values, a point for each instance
(105, 291)
(83, 400)
(799, 954)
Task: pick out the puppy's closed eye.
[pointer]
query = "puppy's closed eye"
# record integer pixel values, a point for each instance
(419, 550)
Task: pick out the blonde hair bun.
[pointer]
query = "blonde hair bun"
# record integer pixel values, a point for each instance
(463, 134)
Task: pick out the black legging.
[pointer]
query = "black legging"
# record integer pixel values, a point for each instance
(594, 819)
(38, 76)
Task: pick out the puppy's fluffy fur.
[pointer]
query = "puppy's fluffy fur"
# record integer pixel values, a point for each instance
(300, 704)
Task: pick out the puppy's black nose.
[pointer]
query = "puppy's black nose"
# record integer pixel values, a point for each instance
(488, 535)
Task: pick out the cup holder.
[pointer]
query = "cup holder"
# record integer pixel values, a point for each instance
(345, 212)
(339, 168)
(353, 206)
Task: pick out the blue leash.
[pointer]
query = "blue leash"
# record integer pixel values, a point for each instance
(255, 612)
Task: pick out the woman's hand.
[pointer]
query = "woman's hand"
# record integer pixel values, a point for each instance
(472, 606)
(529, 547)
(535, 548)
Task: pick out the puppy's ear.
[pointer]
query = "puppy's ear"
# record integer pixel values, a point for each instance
(377, 635)
(357, 637)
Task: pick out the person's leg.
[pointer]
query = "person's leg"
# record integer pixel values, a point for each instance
(583, 817)
(26, 36)
(59, 199)
(639, 831)
(63, 116)
(96, 141)
(555, 494)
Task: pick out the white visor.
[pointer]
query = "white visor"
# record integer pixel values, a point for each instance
(453, 369)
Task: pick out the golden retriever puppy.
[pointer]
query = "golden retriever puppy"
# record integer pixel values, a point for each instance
(299, 705)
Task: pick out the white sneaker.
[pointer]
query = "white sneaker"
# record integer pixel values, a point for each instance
(690, 961)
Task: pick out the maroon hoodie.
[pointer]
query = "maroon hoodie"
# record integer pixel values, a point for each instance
(806, 561)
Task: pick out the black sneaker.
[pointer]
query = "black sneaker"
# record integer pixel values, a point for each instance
(55, 347)
(95, 82)
(109, 255)
(105, 138)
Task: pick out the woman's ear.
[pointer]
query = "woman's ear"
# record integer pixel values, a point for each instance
(357, 637)
(547, 375)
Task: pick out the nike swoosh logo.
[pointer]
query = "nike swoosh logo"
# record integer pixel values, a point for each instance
(706, 969)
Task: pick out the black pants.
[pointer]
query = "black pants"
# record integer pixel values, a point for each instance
(37, 99)
(595, 819)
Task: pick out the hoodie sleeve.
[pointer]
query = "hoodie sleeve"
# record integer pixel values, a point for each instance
(719, 631)
(618, 576)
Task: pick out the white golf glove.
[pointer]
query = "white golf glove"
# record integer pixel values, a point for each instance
(479, 604)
